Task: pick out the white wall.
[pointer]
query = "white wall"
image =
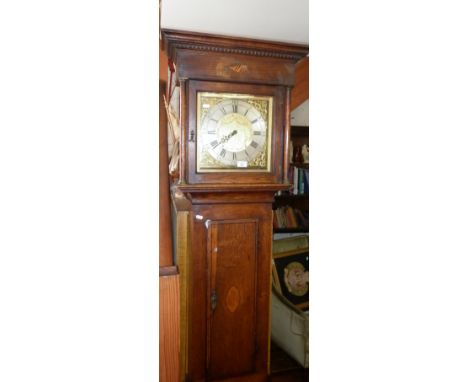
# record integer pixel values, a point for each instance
(300, 115)
(277, 20)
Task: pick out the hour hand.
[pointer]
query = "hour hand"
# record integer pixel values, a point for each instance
(234, 132)
(227, 137)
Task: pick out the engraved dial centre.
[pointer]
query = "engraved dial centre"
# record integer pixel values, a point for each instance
(236, 132)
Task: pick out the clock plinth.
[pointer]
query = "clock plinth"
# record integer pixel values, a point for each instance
(234, 118)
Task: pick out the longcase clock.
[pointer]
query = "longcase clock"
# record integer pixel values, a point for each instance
(234, 115)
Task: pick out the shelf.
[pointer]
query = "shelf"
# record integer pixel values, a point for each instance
(300, 164)
(300, 131)
(291, 230)
(291, 196)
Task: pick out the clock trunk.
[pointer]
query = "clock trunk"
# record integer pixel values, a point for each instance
(229, 290)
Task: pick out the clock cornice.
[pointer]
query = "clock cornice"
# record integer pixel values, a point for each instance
(175, 39)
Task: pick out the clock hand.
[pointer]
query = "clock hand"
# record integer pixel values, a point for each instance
(227, 137)
(232, 134)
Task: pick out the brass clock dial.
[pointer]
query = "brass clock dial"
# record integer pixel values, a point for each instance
(233, 132)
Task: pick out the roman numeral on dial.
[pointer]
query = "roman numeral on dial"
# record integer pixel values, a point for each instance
(234, 106)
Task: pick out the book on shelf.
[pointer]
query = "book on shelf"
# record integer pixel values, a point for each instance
(299, 180)
(301, 217)
(289, 217)
(306, 181)
(295, 180)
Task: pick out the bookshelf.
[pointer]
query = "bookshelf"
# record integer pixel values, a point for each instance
(291, 208)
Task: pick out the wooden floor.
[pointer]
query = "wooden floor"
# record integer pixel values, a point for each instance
(285, 369)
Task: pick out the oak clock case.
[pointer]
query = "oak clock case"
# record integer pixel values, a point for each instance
(235, 126)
